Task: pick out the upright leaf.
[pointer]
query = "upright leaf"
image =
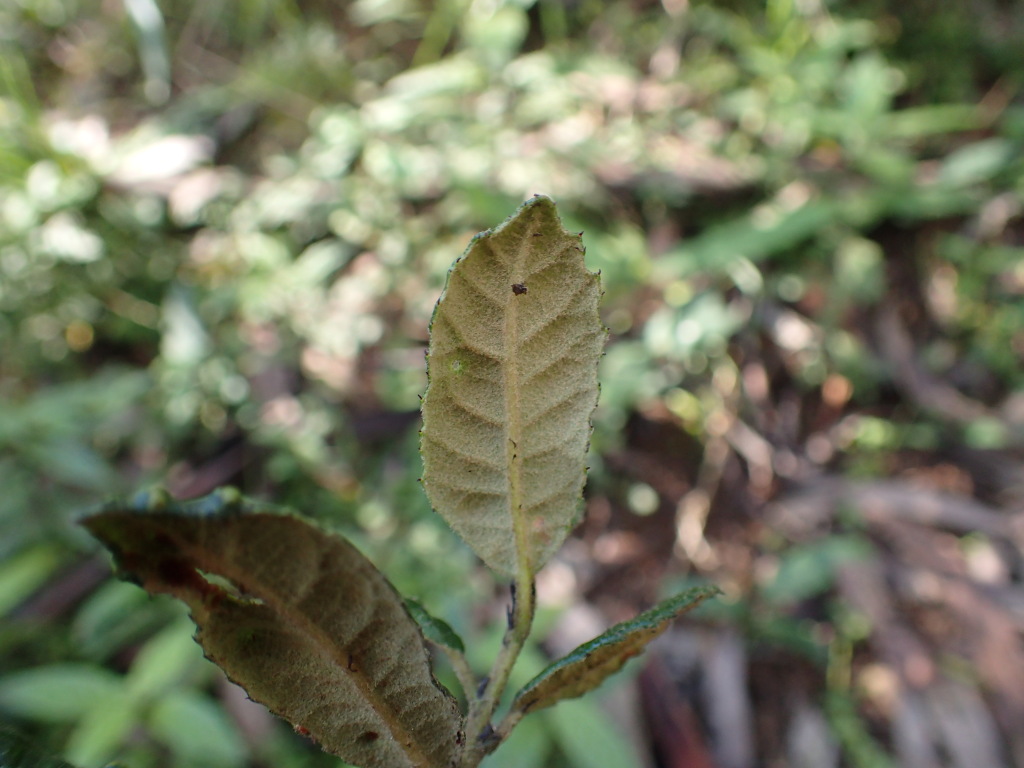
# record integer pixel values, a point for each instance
(514, 345)
(299, 618)
(592, 663)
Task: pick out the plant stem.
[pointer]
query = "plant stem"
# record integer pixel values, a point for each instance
(480, 741)
(462, 670)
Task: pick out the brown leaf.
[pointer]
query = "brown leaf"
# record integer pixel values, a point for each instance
(514, 346)
(299, 618)
(589, 665)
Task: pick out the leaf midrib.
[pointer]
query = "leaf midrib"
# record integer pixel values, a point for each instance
(513, 410)
(309, 628)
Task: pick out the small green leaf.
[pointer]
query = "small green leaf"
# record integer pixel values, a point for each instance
(592, 663)
(512, 365)
(196, 730)
(57, 693)
(23, 573)
(103, 730)
(299, 618)
(436, 630)
(163, 661)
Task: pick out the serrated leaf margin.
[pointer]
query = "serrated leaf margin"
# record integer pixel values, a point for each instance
(483, 466)
(587, 666)
(213, 608)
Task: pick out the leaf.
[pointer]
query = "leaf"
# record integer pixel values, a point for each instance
(57, 693)
(438, 631)
(103, 730)
(512, 365)
(589, 665)
(720, 246)
(296, 616)
(26, 571)
(197, 730)
(163, 661)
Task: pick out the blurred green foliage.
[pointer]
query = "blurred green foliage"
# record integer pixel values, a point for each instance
(223, 228)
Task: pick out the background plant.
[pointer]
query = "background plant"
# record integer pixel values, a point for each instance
(807, 220)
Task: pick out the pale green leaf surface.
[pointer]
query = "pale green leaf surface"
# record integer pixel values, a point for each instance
(164, 660)
(300, 619)
(196, 730)
(25, 572)
(592, 663)
(512, 364)
(104, 729)
(56, 693)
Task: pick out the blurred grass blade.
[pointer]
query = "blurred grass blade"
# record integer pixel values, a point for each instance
(512, 364)
(148, 22)
(296, 616)
(749, 237)
(589, 665)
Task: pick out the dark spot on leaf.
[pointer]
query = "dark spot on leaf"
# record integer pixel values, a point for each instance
(519, 289)
(179, 573)
(369, 736)
(176, 574)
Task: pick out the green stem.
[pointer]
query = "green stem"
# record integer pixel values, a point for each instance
(481, 741)
(463, 672)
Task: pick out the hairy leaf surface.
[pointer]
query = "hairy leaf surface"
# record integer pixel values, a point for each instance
(589, 665)
(299, 618)
(514, 345)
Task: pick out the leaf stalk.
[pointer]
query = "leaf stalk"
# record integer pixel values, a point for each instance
(481, 735)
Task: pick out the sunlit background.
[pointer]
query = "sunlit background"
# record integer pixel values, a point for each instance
(223, 228)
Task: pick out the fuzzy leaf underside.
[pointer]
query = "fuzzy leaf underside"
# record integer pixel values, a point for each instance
(512, 365)
(306, 624)
(589, 665)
